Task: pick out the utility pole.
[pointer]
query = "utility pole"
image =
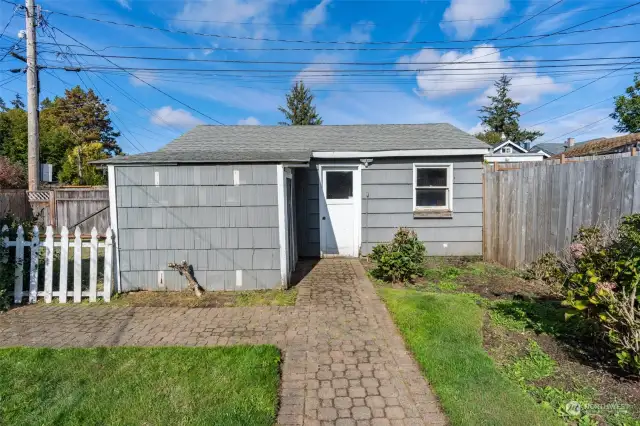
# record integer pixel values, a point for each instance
(33, 101)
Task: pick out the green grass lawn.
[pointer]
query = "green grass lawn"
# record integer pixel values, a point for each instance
(444, 332)
(139, 386)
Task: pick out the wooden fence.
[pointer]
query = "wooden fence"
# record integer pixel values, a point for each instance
(73, 205)
(62, 273)
(534, 209)
(14, 201)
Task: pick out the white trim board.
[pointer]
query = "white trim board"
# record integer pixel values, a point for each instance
(515, 145)
(401, 153)
(357, 197)
(113, 218)
(449, 187)
(282, 226)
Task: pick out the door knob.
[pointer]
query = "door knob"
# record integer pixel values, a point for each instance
(323, 218)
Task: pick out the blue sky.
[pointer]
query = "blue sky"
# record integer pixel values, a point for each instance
(411, 92)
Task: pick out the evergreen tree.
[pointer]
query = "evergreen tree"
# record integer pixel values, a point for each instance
(3, 106)
(627, 111)
(300, 110)
(17, 103)
(502, 116)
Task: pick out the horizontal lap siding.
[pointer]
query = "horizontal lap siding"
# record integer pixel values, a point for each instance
(197, 214)
(387, 191)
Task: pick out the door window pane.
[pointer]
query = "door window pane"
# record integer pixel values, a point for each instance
(431, 177)
(339, 185)
(431, 197)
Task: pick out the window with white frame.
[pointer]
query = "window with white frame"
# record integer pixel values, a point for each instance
(432, 186)
(507, 150)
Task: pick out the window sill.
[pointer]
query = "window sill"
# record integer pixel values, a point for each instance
(432, 214)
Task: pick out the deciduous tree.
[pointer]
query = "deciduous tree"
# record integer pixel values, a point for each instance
(627, 110)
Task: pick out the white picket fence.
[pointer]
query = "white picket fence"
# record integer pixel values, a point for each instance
(50, 245)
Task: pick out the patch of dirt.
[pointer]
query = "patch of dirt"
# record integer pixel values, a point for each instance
(571, 374)
(210, 299)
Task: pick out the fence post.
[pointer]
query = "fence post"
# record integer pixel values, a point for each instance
(93, 266)
(64, 264)
(17, 287)
(5, 244)
(48, 265)
(77, 266)
(33, 272)
(108, 266)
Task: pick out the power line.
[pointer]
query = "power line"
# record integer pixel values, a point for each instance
(579, 88)
(575, 130)
(527, 20)
(572, 112)
(226, 36)
(144, 81)
(358, 49)
(240, 61)
(300, 24)
(361, 72)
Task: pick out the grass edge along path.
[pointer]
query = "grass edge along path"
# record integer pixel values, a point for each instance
(444, 333)
(235, 385)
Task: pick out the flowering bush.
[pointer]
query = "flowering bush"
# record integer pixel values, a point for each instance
(603, 286)
(401, 260)
(11, 174)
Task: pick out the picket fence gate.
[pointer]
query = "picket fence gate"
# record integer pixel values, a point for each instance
(64, 244)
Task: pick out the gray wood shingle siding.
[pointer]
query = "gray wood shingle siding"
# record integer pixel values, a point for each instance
(196, 213)
(387, 203)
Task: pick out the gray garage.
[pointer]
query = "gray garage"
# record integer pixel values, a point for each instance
(241, 204)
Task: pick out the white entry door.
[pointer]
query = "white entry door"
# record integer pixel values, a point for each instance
(340, 210)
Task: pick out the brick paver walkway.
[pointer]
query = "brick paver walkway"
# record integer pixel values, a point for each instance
(344, 361)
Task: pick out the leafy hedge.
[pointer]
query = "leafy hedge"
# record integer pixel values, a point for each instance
(599, 280)
(401, 260)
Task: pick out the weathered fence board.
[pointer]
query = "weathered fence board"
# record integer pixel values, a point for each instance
(51, 247)
(14, 201)
(88, 207)
(536, 209)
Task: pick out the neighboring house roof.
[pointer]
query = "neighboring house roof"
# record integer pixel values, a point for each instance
(297, 143)
(548, 148)
(498, 146)
(602, 146)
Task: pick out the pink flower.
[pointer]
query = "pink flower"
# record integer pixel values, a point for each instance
(606, 286)
(577, 250)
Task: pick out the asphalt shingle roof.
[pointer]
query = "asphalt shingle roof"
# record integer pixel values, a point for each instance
(548, 147)
(602, 145)
(295, 143)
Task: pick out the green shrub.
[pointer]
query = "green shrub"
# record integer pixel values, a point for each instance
(401, 260)
(603, 287)
(7, 257)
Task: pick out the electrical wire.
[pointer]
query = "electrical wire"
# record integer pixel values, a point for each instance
(144, 81)
(232, 37)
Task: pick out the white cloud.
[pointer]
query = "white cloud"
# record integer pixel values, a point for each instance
(225, 14)
(141, 75)
(360, 32)
(414, 29)
(461, 11)
(124, 3)
(320, 72)
(478, 128)
(249, 121)
(574, 126)
(317, 15)
(359, 106)
(468, 74)
(549, 24)
(167, 116)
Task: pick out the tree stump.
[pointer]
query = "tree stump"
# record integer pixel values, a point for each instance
(186, 270)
